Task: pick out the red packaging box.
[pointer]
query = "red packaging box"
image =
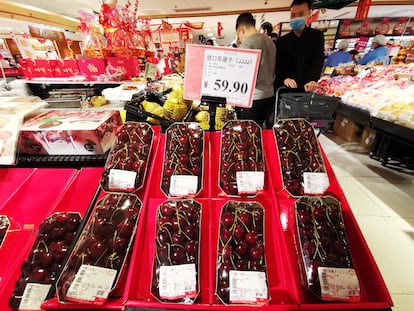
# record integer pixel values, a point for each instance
(92, 68)
(69, 132)
(129, 66)
(64, 68)
(36, 68)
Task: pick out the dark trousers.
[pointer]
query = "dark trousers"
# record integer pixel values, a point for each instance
(262, 112)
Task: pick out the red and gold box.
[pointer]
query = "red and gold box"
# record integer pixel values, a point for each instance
(64, 68)
(92, 68)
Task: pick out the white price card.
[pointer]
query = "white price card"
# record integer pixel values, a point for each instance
(339, 284)
(248, 287)
(121, 179)
(315, 182)
(182, 185)
(249, 181)
(221, 72)
(33, 296)
(91, 284)
(178, 281)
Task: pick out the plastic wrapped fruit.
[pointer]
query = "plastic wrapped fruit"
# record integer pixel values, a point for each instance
(101, 249)
(241, 254)
(241, 151)
(183, 160)
(298, 153)
(127, 162)
(46, 258)
(4, 226)
(324, 249)
(176, 260)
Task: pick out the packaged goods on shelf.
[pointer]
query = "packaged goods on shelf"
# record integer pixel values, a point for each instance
(69, 132)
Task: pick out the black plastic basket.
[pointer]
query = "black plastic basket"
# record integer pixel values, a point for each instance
(310, 106)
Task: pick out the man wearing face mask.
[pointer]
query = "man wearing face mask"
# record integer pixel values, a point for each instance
(300, 56)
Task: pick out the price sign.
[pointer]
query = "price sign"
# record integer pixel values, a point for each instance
(249, 181)
(315, 183)
(221, 72)
(33, 296)
(248, 287)
(121, 179)
(183, 185)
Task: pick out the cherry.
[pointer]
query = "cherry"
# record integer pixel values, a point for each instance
(97, 249)
(46, 259)
(252, 237)
(239, 232)
(256, 252)
(104, 227)
(241, 248)
(38, 275)
(245, 218)
(225, 236)
(177, 255)
(226, 251)
(224, 269)
(191, 247)
(118, 244)
(227, 219)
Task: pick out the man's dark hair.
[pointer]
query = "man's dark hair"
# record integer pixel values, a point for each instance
(299, 2)
(245, 19)
(267, 27)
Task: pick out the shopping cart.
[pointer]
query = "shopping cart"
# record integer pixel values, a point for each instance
(316, 108)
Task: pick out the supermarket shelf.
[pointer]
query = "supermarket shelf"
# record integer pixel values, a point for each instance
(59, 161)
(359, 115)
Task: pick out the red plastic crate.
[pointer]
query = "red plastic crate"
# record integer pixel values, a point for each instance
(11, 179)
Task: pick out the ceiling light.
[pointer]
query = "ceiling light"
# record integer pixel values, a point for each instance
(195, 9)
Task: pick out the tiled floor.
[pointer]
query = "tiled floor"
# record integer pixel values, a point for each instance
(382, 201)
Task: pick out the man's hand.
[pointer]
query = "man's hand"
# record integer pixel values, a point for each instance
(290, 83)
(311, 86)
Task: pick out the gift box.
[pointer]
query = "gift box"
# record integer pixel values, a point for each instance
(129, 66)
(69, 132)
(64, 68)
(36, 68)
(92, 68)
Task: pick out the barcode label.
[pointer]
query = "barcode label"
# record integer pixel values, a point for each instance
(339, 284)
(176, 282)
(248, 287)
(183, 185)
(33, 296)
(91, 284)
(249, 181)
(121, 179)
(315, 183)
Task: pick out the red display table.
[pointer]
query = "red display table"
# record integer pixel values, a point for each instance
(77, 188)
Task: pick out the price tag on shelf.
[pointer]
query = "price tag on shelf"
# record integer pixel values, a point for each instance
(91, 284)
(33, 296)
(339, 284)
(315, 183)
(248, 287)
(221, 72)
(150, 71)
(181, 185)
(121, 179)
(249, 181)
(178, 281)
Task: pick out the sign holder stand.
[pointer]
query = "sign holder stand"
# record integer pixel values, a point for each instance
(213, 102)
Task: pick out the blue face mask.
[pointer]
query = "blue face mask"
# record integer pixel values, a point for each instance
(297, 23)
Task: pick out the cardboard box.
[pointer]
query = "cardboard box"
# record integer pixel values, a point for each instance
(347, 129)
(367, 138)
(92, 68)
(60, 132)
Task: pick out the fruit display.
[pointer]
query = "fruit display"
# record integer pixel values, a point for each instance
(241, 248)
(46, 258)
(127, 162)
(184, 153)
(4, 226)
(298, 153)
(104, 242)
(176, 261)
(322, 242)
(241, 151)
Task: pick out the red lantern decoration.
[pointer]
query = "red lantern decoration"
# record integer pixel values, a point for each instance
(219, 28)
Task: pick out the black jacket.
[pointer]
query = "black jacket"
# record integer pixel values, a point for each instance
(300, 58)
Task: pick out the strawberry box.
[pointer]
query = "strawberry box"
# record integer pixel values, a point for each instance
(69, 132)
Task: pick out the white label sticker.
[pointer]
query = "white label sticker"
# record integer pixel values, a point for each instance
(339, 284)
(178, 282)
(315, 183)
(121, 179)
(249, 181)
(182, 185)
(91, 284)
(33, 296)
(248, 287)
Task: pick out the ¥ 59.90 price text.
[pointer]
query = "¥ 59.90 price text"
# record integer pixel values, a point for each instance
(232, 87)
